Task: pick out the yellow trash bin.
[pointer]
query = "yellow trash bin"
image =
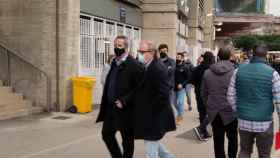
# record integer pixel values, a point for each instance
(82, 93)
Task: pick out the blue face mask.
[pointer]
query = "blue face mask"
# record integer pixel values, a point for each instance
(141, 58)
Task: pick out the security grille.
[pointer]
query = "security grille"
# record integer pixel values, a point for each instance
(97, 37)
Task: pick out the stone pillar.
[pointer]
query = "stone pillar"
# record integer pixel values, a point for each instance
(194, 29)
(68, 48)
(160, 23)
(209, 25)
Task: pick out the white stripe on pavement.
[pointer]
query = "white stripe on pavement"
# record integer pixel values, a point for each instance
(60, 146)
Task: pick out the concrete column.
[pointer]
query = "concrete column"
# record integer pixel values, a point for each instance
(194, 29)
(160, 22)
(68, 33)
(209, 27)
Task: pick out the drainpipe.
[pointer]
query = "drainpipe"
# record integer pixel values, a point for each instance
(57, 57)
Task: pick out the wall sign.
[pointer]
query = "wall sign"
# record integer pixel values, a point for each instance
(123, 15)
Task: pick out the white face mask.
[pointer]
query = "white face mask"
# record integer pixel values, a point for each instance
(141, 58)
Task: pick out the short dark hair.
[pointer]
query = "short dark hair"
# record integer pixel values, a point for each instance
(208, 58)
(181, 54)
(224, 53)
(123, 38)
(260, 50)
(162, 46)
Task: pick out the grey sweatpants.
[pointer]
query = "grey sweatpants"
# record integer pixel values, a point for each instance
(263, 141)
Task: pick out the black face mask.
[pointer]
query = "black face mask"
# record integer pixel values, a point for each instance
(119, 51)
(233, 61)
(178, 61)
(163, 55)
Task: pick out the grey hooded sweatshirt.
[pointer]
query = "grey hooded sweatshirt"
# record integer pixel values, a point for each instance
(214, 88)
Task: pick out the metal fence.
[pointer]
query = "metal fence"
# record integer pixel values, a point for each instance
(97, 37)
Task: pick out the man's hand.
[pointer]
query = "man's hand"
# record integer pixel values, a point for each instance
(180, 87)
(119, 104)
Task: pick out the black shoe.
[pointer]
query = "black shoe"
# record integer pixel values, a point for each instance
(198, 133)
(200, 136)
(207, 135)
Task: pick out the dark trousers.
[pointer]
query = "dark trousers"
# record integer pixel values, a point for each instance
(109, 137)
(219, 131)
(203, 119)
(263, 140)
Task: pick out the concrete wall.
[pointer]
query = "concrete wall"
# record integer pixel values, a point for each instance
(69, 48)
(160, 23)
(195, 45)
(209, 25)
(29, 28)
(273, 7)
(100, 8)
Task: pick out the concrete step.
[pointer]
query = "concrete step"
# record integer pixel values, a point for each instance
(13, 105)
(5, 89)
(20, 106)
(14, 114)
(12, 98)
(36, 110)
(17, 111)
(11, 95)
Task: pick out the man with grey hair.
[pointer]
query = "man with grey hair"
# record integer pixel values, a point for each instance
(153, 116)
(116, 111)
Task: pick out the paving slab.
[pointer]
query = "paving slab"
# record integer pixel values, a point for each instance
(42, 136)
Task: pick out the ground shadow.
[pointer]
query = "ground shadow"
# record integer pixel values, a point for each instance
(191, 136)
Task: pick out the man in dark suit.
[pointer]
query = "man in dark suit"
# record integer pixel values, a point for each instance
(170, 66)
(153, 116)
(122, 79)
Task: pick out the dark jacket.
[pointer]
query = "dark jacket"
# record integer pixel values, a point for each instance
(196, 77)
(130, 73)
(214, 91)
(153, 115)
(189, 66)
(170, 65)
(181, 75)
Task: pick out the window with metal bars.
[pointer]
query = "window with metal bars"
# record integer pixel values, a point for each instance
(97, 37)
(201, 4)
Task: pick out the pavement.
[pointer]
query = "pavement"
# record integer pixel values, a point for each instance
(77, 136)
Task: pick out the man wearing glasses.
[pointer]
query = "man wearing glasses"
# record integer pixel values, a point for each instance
(153, 116)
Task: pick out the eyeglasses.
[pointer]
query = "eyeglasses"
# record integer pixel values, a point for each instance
(142, 51)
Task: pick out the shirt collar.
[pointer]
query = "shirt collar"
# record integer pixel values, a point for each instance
(164, 59)
(121, 59)
(148, 63)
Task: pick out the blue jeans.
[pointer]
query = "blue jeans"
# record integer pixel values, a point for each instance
(180, 100)
(154, 149)
(188, 94)
(259, 5)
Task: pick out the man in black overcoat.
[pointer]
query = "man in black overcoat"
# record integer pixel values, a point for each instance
(123, 78)
(153, 116)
